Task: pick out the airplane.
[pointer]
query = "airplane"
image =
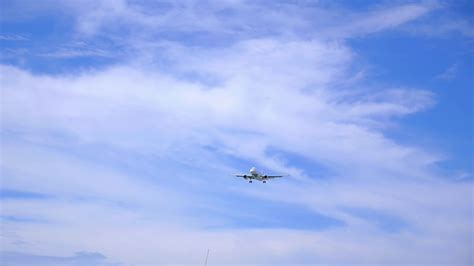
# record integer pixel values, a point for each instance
(254, 174)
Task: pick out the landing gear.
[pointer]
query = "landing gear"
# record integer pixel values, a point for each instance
(264, 181)
(250, 181)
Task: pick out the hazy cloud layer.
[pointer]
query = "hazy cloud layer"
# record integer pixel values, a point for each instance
(135, 159)
(79, 258)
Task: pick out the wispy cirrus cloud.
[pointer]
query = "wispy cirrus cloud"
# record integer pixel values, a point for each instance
(236, 20)
(74, 53)
(13, 37)
(449, 73)
(384, 18)
(140, 153)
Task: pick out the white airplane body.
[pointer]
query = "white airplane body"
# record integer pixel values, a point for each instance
(254, 174)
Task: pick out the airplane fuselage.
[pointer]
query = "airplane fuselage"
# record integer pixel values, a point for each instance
(254, 174)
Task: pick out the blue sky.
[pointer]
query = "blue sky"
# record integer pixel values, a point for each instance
(124, 121)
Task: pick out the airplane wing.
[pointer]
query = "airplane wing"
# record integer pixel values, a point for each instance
(244, 176)
(273, 176)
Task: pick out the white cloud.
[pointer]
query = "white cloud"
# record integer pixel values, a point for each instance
(65, 135)
(450, 73)
(238, 18)
(73, 53)
(13, 37)
(386, 17)
(145, 111)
